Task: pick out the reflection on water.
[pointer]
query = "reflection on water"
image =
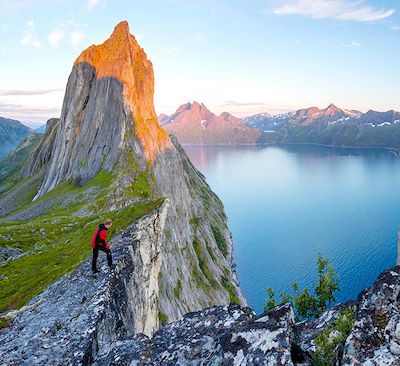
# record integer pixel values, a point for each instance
(285, 204)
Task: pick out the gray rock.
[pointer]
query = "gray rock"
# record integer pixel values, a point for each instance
(9, 253)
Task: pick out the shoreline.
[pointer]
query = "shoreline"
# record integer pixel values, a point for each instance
(393, 150)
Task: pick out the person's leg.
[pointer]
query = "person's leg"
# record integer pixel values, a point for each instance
(94, 259)
(109, 257)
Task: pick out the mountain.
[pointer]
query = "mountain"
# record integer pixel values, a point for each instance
(331, 126)
(11, 164)
(107, 156)
(40, 129)
(12, 132)
(193, 123)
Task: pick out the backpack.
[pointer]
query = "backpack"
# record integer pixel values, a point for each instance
(94, 238)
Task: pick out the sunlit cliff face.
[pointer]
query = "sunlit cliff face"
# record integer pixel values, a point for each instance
(122, 58)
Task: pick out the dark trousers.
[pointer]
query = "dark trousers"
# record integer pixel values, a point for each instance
(96, 254)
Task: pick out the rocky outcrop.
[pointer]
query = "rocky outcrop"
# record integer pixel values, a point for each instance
(375, 337)
(96, 326)
(80, 314)
(214, 336)
(193, 123)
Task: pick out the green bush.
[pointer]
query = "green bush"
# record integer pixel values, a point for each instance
(309, 305)
(335, 334)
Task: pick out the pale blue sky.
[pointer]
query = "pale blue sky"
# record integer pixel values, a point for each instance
(244, 57)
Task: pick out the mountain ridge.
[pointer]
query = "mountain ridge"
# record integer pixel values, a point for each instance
(194, 123)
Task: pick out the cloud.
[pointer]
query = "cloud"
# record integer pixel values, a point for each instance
(75, 37)
(91, 4)
(172, 50)
(351, 44)
(54, 38)
(4, 93)
(29, 37)
(28, 113)
(350, 10)
(201, 38)
(394, 28)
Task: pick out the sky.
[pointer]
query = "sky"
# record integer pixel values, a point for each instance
(244, 57)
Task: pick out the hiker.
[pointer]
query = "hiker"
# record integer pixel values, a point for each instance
(99, 242)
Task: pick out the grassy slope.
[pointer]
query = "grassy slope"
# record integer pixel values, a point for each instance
(67, 241)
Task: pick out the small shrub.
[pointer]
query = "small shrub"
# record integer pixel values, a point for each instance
(334, 335)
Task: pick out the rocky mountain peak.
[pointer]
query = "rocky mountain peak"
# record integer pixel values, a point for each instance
(184, 107)
(332, 109)
(108, 105)
(120, 57)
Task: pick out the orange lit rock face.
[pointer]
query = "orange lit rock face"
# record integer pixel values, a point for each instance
(121, 57)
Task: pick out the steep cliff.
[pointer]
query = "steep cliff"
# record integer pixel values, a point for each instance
(108, 127)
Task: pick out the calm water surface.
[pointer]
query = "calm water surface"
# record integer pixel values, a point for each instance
(286, 204)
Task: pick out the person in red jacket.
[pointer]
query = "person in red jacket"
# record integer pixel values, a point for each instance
(99, 242)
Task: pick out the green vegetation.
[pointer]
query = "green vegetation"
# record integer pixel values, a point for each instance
(162, 317)
(203, 262)
(220, 239)
(141, 179)
(64, 246)
(227, 285)
(178, 289)
(309, 305)
(210, 252)
(195, 222)
(331, 337)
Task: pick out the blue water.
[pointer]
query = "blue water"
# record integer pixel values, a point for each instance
(287, 204)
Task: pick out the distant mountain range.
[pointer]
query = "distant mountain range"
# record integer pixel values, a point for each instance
(330, 126)
(12, 132)
(193, 123)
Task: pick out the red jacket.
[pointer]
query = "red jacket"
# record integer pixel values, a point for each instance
(99, 237)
